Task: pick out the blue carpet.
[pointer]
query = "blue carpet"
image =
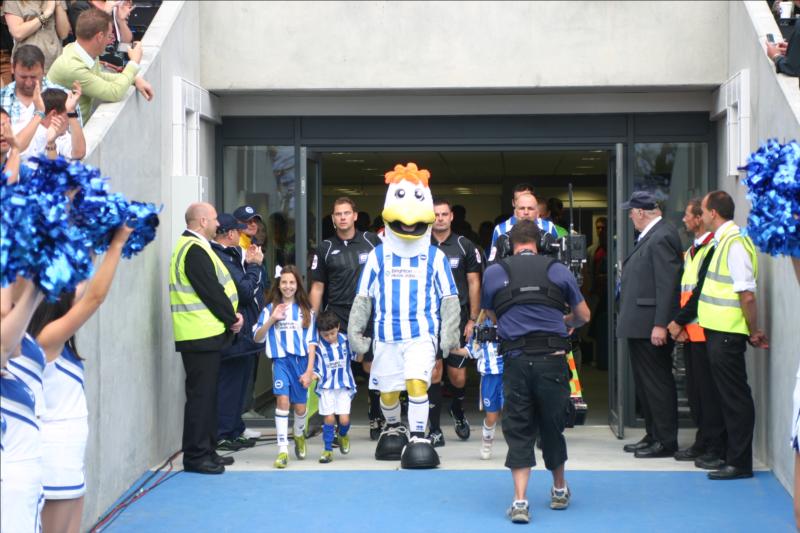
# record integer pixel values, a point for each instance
(461, 501)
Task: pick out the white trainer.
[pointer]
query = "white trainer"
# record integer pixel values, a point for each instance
(486, 449)
(251, 433)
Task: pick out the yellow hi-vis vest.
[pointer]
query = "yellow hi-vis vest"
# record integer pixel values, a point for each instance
(691, 269)
(191, 319)
(719, 308)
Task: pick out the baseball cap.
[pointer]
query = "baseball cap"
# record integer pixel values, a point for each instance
(640, 200)
(228, 222)
(245, 213)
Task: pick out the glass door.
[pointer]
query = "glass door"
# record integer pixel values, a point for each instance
(308, 228)
(615, 238)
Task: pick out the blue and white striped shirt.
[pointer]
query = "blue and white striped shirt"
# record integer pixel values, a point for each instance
(287, 336)
(29, 367)
(505, 226)
(406, 292)
(332, 365)
(489, 361)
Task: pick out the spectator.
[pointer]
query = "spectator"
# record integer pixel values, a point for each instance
(249, 217)
(6, 46)
(17, 98)
(114, 57)
(79, 63)
(42, 23)
(59, 108)
(236, 365)
(786, 54)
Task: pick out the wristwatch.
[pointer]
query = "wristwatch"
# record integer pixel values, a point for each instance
(74, 114)
(39, 114)
(473, 318)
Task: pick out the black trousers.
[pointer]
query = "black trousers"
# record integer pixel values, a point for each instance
(655, 389)
(234, 374)
(536, 392)
(728, 370)
(200, 412)
(704, 400)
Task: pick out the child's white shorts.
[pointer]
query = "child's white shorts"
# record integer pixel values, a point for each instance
(63, 451)
(397, 362)
(334, 402)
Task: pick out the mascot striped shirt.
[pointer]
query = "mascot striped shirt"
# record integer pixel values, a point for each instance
(406, 292)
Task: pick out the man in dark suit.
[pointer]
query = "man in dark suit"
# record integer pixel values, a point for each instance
(649, 298)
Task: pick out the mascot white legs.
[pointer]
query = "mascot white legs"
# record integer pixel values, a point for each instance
(415, 299)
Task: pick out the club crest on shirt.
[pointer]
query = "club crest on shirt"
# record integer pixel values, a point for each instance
(362, 258)
(454, 262)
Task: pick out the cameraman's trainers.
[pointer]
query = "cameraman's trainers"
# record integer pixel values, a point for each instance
(559, 498)
(436, 437)
(300, 446)
(326, 457)
(227, 445)
(245, 442)
(344, 444)
(252, 433)
(518, 512)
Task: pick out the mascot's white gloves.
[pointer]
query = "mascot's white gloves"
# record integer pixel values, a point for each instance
(357, 323)
(449, 335)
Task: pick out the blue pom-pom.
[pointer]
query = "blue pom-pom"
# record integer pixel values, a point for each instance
(773, 183)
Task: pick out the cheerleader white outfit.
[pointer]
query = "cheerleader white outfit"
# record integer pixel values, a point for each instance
(21, 497)
(65, 428)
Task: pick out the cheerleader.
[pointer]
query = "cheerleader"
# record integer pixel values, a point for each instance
(65, 428)
(286, 326)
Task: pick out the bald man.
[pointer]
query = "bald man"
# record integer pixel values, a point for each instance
(203, 301)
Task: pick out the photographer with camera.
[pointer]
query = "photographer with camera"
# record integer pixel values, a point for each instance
(526, 295)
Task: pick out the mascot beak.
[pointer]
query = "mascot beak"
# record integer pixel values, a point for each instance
(408, 219)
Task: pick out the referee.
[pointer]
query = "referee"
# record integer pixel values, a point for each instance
(466, 264)
(335, 269)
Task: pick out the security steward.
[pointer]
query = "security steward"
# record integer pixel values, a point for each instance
(527, 296)
(467, 265)
(335, 269)
(203, 302)
(728, 313)
(709, 442)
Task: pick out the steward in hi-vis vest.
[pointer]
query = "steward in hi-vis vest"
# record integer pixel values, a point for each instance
(728, 314)
(203, 302)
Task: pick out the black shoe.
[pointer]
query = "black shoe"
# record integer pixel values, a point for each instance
(244, 442)
(655, 450)
(462, 425)
(374, 428)
(229, 445)
(436, 437)
(220, 460)
(730, 472)
(709, 462)
(206, 466)
(687, 454)
(644, 443)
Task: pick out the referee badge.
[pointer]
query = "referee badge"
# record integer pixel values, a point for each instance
(362, 258)
(314, 263)
(454, 262)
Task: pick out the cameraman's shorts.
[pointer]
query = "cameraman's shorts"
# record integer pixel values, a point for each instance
(536, 391)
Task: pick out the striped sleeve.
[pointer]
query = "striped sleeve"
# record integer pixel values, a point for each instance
(445, 283)
(262, 319)
(311, 332)
(495, 234)
(368, 275)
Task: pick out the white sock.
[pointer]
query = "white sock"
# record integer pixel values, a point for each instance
(488, 432)
(418, 413)
(299, 423)
(282, 428)
(391, 413)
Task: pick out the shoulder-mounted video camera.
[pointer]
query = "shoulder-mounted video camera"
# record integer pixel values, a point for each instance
(484, 333)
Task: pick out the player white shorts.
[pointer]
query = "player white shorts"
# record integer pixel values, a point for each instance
(396, 362)
(63, 451)
(21, 497)
(334, 402)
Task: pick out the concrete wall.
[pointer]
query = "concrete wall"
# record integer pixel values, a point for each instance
(775, 112)
(383, 45)
(134, 378)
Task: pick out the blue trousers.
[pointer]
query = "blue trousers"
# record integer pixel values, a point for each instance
(234, 374)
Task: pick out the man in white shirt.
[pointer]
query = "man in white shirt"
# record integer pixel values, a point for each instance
(60, 113)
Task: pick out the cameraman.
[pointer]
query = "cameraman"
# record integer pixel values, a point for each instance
(526, 295)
